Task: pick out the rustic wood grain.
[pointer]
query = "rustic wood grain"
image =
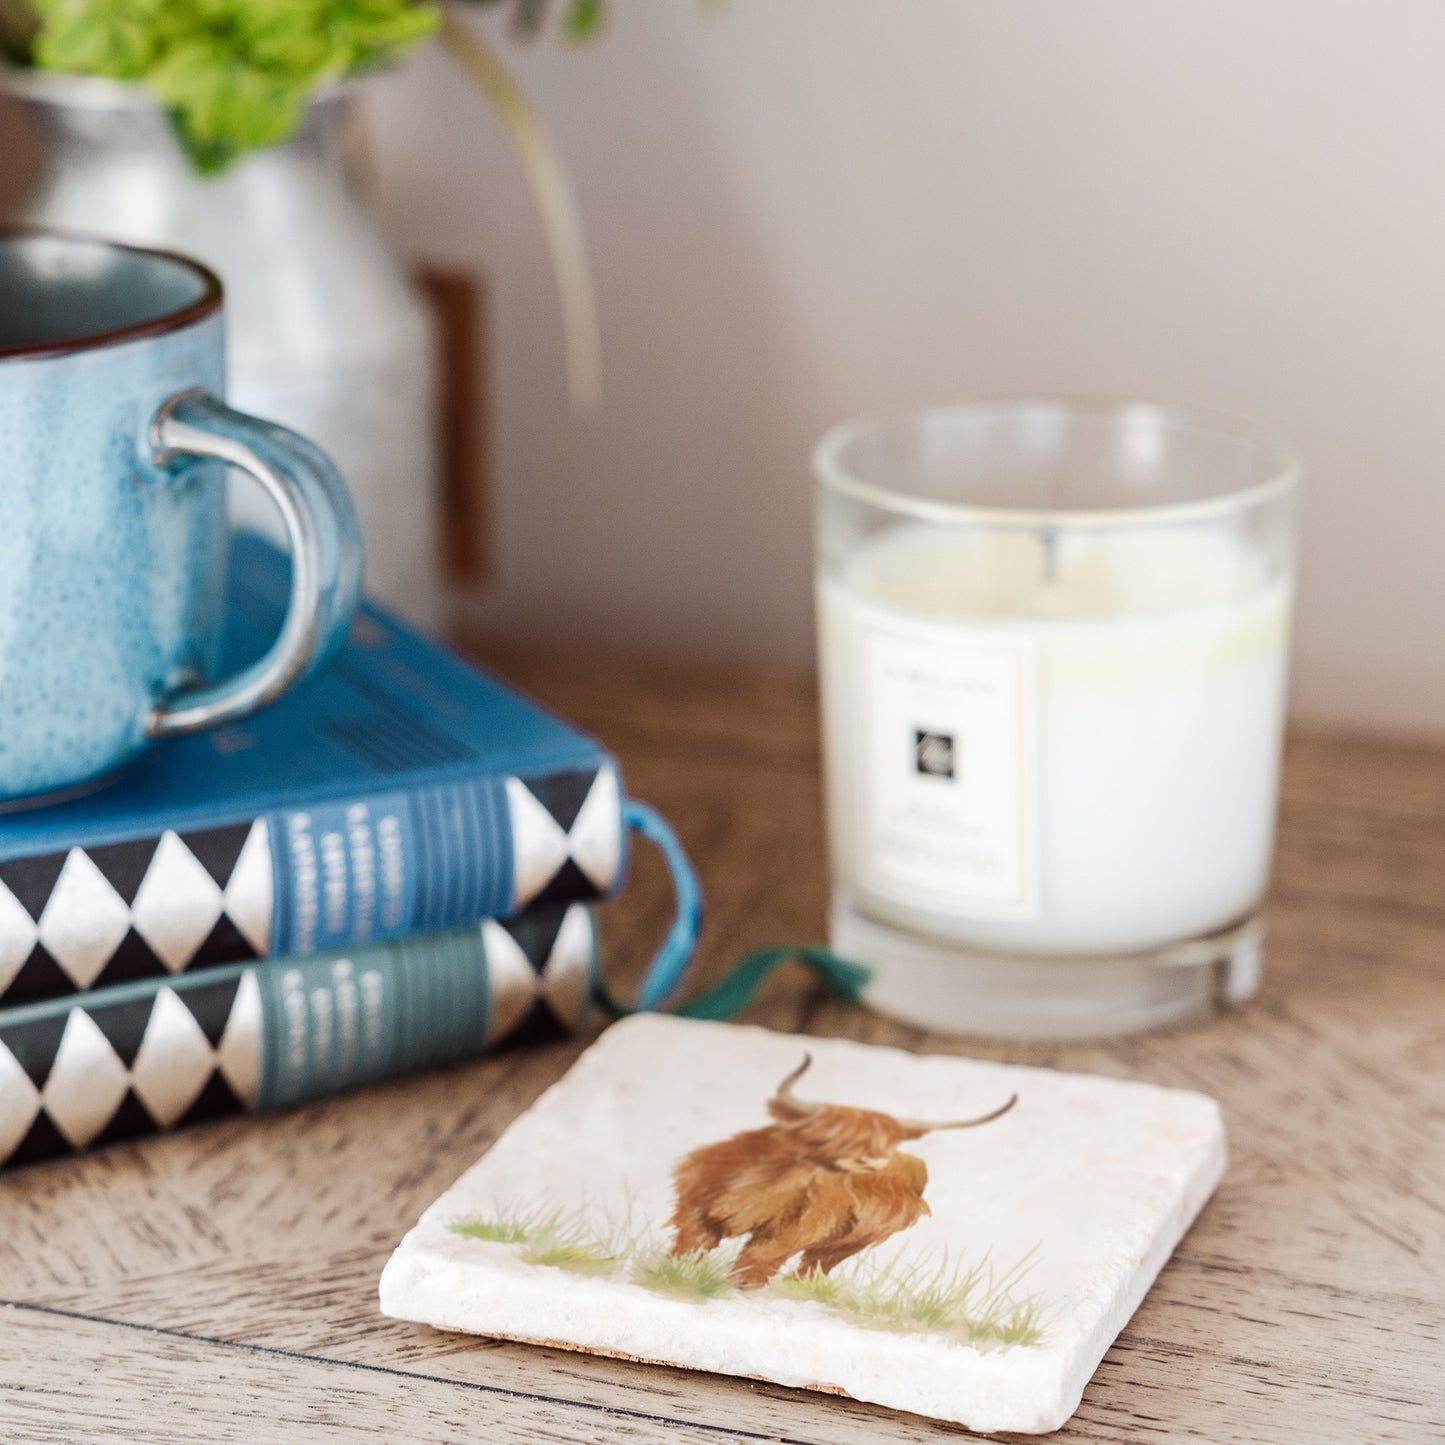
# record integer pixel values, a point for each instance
(221, 1284)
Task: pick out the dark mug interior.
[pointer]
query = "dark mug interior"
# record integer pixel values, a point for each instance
(66, 293)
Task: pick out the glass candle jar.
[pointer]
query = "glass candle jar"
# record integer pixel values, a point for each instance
(1054, 649)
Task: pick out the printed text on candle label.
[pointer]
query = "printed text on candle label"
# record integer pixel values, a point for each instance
(948, 769)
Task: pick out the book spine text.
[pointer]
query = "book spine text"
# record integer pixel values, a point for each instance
(298, 881)
(154, 1054)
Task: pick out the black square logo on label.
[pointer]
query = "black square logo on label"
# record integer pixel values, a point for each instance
(933, 753)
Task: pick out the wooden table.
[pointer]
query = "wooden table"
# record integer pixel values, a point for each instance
(221, 1284)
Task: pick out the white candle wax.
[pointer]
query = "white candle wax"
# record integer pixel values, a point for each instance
(1053, 748)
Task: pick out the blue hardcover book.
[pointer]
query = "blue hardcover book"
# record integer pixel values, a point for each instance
(398, 791)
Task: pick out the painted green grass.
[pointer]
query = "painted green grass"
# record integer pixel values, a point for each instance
(969, 1303)
(496, 1231)
(554, 1238)
(512, 1226)
(575, 1256)
(702, 1275)
(821, 1289)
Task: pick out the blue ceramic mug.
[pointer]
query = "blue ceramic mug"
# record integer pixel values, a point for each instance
(114, 444)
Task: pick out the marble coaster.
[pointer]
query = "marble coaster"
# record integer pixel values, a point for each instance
(693, 1194)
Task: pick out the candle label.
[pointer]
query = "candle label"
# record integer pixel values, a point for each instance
(947, 721)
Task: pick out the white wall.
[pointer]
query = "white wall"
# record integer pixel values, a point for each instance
(799, 209)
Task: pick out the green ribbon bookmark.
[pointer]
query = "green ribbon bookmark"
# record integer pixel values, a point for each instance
(732, 993)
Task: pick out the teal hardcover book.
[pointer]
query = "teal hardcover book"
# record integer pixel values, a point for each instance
(399, 791)
(119, 1063)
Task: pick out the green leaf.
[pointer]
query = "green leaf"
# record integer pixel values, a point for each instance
(223, 108)
(18, 27)
(584, 19)
(284, 36)
(117, 39)
(370, 32)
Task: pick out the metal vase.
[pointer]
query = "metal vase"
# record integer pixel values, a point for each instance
(326, 332)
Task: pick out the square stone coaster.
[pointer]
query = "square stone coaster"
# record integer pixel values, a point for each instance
(690, 1194)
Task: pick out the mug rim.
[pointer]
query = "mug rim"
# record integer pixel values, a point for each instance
(206, 304)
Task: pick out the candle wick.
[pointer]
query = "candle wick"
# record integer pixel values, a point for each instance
(1050, 538)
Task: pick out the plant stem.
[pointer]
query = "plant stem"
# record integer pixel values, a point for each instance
(555, 205)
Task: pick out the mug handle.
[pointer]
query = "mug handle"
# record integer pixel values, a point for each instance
(321, 531)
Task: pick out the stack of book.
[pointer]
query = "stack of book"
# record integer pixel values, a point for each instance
(390, 869)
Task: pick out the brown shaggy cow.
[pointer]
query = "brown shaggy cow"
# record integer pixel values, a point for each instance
(823, 1180)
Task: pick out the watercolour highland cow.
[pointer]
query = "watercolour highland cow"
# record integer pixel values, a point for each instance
(821, 1183)
(941, 1235)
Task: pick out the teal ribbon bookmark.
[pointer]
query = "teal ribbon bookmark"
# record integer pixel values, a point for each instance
(737, 987)
(670, 962)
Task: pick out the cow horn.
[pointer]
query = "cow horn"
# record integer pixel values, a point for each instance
(924, 1126)
(784, 1093)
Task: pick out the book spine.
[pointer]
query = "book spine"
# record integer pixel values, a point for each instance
(300, 881)
(154, 1055)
